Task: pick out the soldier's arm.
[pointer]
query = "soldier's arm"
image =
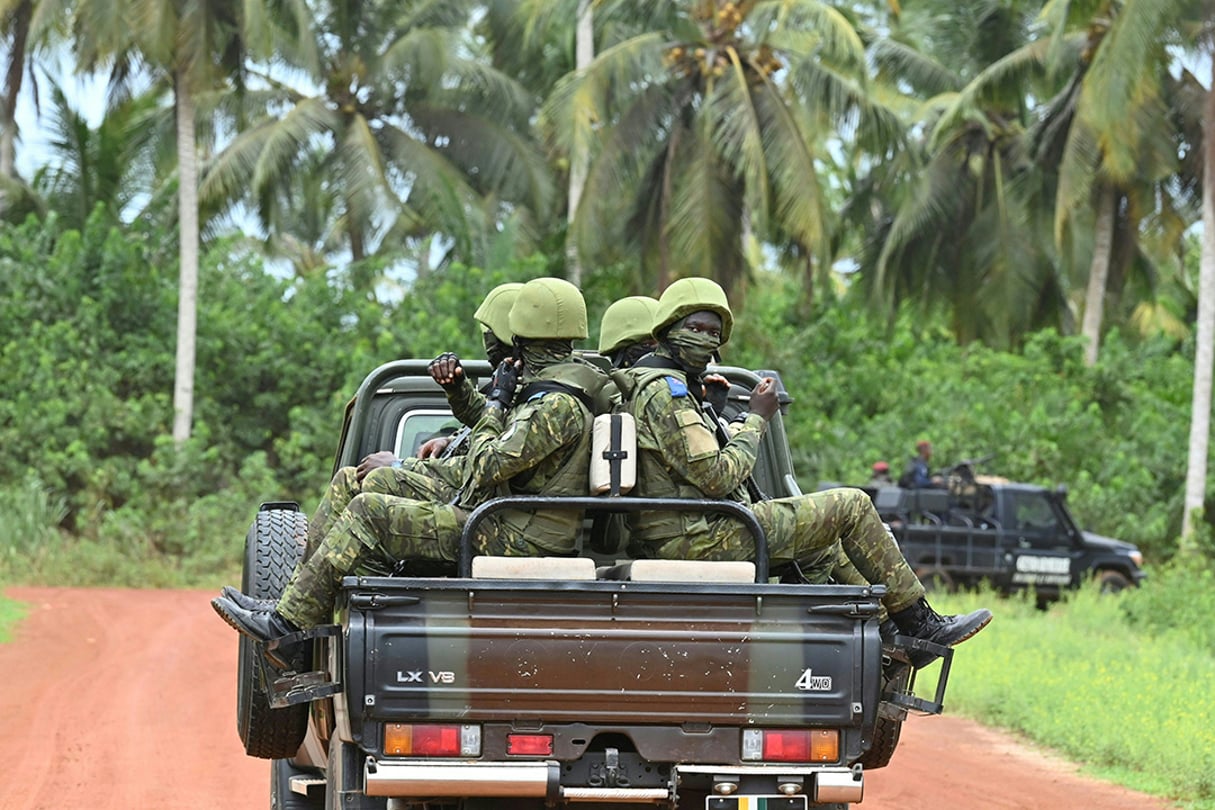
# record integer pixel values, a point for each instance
(466, 402)
(501, 450)
(690, 447)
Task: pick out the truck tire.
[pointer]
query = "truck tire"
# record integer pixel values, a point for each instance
(887, 729)
(1112, 581)
(935, 579)
(282, 797)
(273, 546)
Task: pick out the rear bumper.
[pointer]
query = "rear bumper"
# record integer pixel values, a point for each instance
(542, 780)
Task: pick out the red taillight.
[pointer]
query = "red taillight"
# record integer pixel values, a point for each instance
(791, 745)
(529, 745)
(787, 746)
(403, 739)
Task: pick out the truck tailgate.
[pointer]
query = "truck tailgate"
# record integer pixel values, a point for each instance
(608, 652)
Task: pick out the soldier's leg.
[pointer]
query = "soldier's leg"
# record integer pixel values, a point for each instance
(374, 529)
(342, 489)
(801, 527)
(415, 481)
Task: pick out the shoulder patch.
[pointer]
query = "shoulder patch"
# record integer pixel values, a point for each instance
(536, 396)
(677, 386)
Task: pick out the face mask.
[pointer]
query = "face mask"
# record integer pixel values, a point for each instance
(495, 350)
(627, 357)
(540, 354)
(692, 350)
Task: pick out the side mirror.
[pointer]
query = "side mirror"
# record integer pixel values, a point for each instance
(1061, 492)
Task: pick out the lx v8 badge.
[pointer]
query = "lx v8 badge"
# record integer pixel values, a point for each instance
(416, 676)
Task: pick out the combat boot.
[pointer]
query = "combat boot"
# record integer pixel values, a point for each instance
(247, 602)
(261, 624)
(922, 622)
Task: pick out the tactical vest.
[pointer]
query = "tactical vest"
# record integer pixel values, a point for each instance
(655, 478)
(555, 530)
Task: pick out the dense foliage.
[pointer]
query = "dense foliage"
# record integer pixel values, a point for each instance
(86, 352)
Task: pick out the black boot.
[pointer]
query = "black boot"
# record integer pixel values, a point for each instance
(921, 621)
(261, 624)
(244, 600)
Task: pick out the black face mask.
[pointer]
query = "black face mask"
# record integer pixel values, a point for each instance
(495, 350)
(625, 358)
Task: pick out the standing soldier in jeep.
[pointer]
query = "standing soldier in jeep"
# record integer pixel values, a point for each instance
(537, 446)
(681, 456)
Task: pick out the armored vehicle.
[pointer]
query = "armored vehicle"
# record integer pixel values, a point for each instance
(588, 681)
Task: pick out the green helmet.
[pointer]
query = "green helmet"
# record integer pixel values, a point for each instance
(549, 309)
(688, 295)
(629, 320)
(494, 312)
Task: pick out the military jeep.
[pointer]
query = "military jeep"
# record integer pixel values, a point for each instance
(594, 681)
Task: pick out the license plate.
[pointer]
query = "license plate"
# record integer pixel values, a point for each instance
(756, 802)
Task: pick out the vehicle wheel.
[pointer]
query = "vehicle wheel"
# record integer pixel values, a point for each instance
(1112, 581)
(273, 546)
(935, 579)
(282, 797)
(887, 729)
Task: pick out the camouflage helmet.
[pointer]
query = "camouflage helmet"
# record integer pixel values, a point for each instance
(629, 320)
(494, 312)
(688, 295)
(549, 309)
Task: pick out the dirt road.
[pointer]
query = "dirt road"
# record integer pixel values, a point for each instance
(126, 699)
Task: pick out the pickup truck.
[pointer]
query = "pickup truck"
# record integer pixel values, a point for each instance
(591, 681)
(1014, 536)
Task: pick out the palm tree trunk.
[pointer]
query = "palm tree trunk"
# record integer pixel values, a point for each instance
(584, 54)
(19, 32)
(187, 302)
(1098, 273)
(1200, 408)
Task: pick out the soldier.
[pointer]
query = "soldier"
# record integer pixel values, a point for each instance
(625, 330)
(538, 446)
(679, 456)
(430, 476)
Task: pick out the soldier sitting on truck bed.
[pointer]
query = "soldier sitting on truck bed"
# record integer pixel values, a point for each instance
(680, 456)
(538, 445)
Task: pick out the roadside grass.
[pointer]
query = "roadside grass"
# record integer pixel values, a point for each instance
(1131, 703)
(10, 613)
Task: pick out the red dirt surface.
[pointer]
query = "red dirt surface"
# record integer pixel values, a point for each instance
(116, 698)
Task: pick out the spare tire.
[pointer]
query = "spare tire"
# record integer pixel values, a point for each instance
(273, 547)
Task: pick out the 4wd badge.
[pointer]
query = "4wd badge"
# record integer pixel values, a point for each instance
(809, 682)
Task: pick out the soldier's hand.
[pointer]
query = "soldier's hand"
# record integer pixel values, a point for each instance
(433, 448)
(505, 380)
(764, 400)
(374, 461)
(717, 391)
(446, 370)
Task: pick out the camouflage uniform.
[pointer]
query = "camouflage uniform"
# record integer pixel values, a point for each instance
(432, 479)
(541, 447)
(834, 533)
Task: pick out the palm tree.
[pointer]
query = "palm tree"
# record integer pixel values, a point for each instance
(705, 125)
(420, 135)
(950, 222)
(111, 165)
(1109, 167)
(195, 48)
